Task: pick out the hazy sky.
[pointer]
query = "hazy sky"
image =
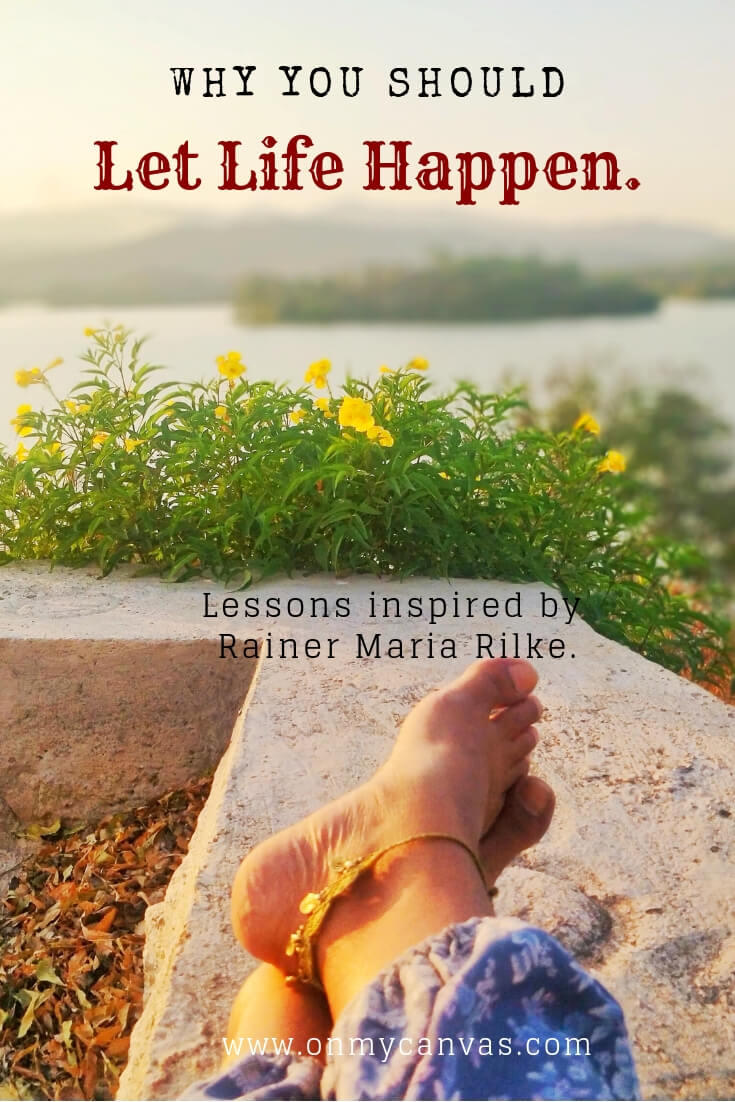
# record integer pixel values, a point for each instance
(654, 82)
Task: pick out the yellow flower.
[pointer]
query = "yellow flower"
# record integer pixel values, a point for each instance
(385, 370)
(89, 331)
(53, 447)
(54, 363)
(383, 437)
(297, 415)
(586, 422)
(99, 438)
(231, 365)
(418, 363)
(613, 462)
(21, 452)
(131, 443)
(164, 411)
(72, 407)
(221, 412)
(17, 421)
(443, 474)
(35, 375)
(356, 413)
(323, 405)
(317, 373)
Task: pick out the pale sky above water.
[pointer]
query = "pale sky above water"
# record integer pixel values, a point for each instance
(654, 82)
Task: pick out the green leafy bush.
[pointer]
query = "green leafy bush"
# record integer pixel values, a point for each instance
(680, 452)
(241, 480)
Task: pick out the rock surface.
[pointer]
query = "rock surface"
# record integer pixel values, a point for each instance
(635, 874)
(100, 726)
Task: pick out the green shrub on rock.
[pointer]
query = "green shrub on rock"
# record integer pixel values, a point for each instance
(239, 480)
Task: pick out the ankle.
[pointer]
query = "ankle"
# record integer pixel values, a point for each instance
(410, 894)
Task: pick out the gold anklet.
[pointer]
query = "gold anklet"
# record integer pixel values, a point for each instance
(316, 905)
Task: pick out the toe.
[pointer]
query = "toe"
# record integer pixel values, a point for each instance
(523, 744)
(510, 722)
(493, 683)
(515, 770)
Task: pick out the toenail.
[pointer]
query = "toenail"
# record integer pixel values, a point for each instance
(533, 798)
(523, 677)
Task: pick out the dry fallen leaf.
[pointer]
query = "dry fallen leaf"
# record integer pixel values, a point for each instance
(71, 967)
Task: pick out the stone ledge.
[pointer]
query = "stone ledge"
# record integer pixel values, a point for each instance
(103, 725)
(633, 874)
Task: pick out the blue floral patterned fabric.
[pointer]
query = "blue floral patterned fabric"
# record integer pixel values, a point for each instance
(488, 1009)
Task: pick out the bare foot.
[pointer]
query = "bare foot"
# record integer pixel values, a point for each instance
(457, 754)
(522, 822)
(268, 1009)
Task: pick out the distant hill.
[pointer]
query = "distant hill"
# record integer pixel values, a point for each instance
(142, 256)
(65, 231)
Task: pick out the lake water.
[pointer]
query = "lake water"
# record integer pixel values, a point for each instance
(686, 343)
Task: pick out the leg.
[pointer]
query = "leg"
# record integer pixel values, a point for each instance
(268, 1007)
(548, 1029)
(388, 912)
